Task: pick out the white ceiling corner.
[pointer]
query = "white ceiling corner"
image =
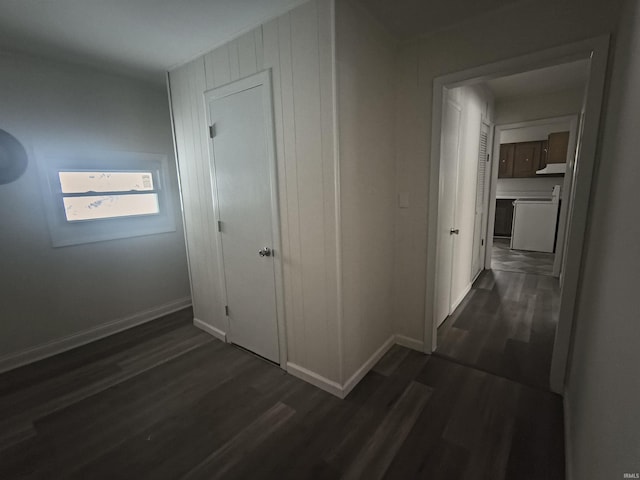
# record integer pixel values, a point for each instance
(140, 37)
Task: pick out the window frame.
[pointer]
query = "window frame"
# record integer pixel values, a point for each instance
(76, 232)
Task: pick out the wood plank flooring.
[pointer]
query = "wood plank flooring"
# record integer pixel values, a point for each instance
(167, 401)
(505, 259)
(506, 326)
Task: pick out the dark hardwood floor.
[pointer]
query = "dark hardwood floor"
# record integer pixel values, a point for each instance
(505, 259)
(505, 326)
(165, 400)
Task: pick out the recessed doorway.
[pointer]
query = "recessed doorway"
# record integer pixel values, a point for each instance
(567, 196)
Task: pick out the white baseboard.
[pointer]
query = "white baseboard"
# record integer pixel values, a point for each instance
(59, 345)
(341, 391)
(476, 276)
(313, 378)
(210, 329)
(460, 298)
(411, 343)
(568, 452)
(366, 366)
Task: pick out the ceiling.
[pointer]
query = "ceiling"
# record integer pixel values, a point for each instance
(544, 80)
(148, 37)
(407, 19)
(141, 37)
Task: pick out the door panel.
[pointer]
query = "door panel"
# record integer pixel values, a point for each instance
(482, 198)
(505, 166)
(558, 147)
(526, 159)
(242, 176)
(449, 159)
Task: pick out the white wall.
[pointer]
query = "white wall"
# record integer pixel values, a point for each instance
(603, 391)
(411, 222)
(527, 187)
(297, 47)
(520, 29)
(49, 294)
(476, 105)
(365, 66)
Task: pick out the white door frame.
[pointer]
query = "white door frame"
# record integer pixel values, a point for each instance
(263, 79)
(572, 120)
(595, 49)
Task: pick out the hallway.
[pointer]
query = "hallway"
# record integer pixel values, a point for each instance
(505, 326)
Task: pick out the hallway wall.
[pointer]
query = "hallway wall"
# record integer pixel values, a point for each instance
(365, 56)
(603, 392)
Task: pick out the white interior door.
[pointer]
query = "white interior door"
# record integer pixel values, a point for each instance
(449, 160)
(242, 169)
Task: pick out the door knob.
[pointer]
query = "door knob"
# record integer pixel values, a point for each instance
(454, 230)
(264, 252)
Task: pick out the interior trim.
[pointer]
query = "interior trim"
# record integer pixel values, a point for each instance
(78, 339)
(210, 329)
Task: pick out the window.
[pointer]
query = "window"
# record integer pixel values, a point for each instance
(121, 194)
(107, 196)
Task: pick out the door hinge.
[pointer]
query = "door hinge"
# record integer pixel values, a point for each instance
(482, 242)
(488, 157)
(226, 310)
(219, 226)
(212, 130)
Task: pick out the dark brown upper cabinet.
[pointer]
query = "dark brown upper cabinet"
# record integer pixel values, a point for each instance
(523, 159)
(505, 167)
(558, 147)
(526, 159)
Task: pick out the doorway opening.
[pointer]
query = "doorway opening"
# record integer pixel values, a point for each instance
(534, 160)
(507, 291)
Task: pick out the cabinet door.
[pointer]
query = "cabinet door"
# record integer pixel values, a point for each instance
(505, 167)
(526, 159)
(558, 147)
(504, 218)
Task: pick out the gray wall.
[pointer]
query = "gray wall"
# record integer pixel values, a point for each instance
(603, 395)
(47, 293)
(365, 81)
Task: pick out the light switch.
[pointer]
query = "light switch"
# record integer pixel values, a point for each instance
(403, 200)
